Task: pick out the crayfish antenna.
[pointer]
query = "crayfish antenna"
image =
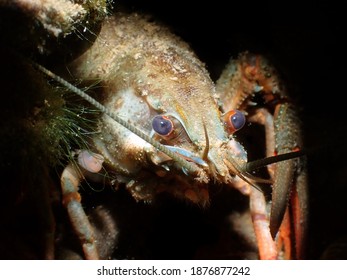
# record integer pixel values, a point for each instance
(256, 164)
(243, 171)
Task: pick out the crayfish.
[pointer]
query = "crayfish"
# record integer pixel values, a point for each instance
(167, 127)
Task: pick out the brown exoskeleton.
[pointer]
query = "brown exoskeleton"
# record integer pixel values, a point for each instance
(167, 127)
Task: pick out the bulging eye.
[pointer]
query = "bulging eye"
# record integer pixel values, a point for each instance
(162, 125)
(234, 120)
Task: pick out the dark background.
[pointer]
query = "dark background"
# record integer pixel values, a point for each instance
(305, 44)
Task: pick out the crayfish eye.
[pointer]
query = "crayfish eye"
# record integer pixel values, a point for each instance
(162, 125)
(234, 120)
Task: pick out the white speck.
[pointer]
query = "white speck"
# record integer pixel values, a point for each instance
(137, 56)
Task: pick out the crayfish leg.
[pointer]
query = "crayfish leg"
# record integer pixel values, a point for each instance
(290, 182)
(244, 78)
(289, 194)
(299, 207)
(293, 228)
(70, 180)
(283, 240)
(282, 174)
(266, 245)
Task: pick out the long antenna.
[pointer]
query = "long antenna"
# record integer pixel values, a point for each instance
(191, 168)
(250, 166)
